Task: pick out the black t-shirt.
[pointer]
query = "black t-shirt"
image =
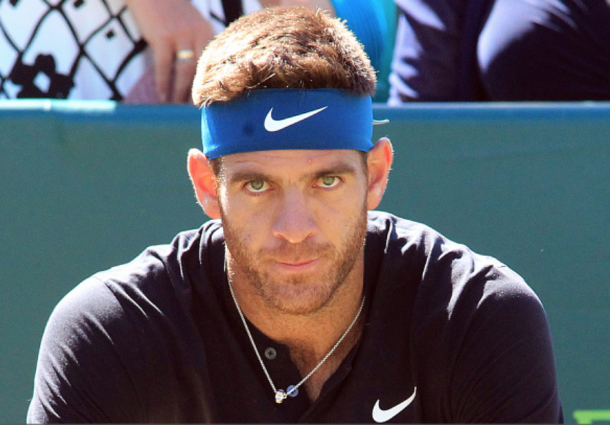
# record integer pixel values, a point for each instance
(449, 336)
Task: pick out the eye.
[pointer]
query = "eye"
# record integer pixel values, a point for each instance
(257, 186)
(329, 181)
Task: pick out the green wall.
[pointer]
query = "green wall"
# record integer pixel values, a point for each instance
(87, 185)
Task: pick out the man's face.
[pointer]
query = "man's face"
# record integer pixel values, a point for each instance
(294, 223)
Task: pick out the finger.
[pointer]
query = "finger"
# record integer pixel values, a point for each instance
(163, 59)
(184, 72)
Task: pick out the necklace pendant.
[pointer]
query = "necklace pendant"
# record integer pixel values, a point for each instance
(280, 396)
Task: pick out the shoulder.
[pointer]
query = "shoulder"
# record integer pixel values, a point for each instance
(479, 337)
(153, 291)
(415, 242)
(162, 269)
(121, 329)
(384, 224)
(446, 275)
(156, 278)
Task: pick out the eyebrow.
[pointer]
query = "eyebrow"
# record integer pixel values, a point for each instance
(242, 176)
(332, 170)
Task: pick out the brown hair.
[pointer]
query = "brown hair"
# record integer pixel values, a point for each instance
(291, 47)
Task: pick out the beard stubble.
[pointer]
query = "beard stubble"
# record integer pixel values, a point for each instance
(300, 294)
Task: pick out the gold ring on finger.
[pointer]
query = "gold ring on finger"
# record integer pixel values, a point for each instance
(185, 54)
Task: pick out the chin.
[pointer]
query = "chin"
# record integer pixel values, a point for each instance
(298, 297)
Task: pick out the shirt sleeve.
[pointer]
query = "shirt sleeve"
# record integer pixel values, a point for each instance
(80, 376)
(505, 368)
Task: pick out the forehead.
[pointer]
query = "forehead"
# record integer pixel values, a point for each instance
(292, 161)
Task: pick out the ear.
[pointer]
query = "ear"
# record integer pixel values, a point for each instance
(204, 182)
(379, 160)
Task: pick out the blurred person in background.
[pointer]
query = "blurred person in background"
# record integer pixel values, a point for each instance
(501, 50)
(136, 51)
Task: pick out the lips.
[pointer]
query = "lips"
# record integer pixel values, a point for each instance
(296, 265)
(295, 262)
(298, 258)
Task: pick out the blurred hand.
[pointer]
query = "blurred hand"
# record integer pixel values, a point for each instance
(169, 26)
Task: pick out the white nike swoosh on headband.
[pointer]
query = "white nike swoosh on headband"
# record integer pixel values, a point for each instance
(272, 125)
(381, 416)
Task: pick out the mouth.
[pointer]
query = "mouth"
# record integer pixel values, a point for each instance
(296, 265)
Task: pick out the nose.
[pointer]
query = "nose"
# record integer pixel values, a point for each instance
(294, 220)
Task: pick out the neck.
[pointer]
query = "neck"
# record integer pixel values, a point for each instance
(315, 331)
(310, 337)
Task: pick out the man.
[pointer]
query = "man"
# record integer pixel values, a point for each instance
(297, 302)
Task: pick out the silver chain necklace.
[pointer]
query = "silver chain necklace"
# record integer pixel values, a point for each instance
(281, 395)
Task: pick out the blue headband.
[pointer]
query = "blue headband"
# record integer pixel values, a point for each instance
(273, 119)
